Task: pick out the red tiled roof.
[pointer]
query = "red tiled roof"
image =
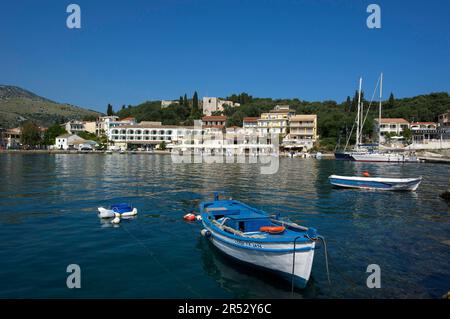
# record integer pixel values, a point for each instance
(251, 119)
(128, 118)
(423, 123)
(394, 120)
(214, 118)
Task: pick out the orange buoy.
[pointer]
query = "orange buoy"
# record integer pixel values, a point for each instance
(189, 217)
(366, 174)
(272, 229)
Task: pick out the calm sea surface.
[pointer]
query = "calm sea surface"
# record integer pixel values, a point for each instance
(48, 220)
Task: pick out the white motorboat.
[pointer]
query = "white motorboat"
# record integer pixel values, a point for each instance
(377, 183)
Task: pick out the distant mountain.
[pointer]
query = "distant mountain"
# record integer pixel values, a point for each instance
(18, 105)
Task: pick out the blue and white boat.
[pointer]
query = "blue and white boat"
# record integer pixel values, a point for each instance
(376, 183)
(117, 210)
(253, 237)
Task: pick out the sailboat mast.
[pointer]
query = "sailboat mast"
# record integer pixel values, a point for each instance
(358, 115)
(379, 111)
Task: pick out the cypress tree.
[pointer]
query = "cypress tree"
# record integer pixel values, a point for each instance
(391, 102)
(185, 101)
(195, 110)
(109, 110)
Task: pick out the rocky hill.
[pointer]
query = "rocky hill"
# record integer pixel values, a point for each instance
(18, 105)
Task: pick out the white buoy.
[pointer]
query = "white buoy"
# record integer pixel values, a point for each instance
(129, 214)
(116, 220)
(198, 217)
(105, 213)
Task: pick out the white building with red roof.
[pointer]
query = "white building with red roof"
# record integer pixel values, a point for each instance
(391, 126)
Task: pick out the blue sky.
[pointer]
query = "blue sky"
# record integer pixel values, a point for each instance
(128, 52)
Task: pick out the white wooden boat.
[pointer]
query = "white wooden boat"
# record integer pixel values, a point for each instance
(378, 183)
(253, 237)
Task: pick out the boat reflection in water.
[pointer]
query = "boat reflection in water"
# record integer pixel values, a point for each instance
(245, 281)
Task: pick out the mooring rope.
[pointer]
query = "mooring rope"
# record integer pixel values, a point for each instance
(326, 257)
(152, 254)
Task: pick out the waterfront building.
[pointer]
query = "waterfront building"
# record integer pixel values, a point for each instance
(275, 121)
(250, 122)
(68, 141)
(444, 124)
(146, 135)
(166, 103)
(217, 121)
(90, 127)
(12, 138)
(74, 127)
(423, 132)
(390, 126)
(102, 124)
(215, 104)
(234, 141)
(106, 123)
(302, 132)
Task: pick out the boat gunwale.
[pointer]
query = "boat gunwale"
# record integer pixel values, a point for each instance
(376, 179)
(283, 240)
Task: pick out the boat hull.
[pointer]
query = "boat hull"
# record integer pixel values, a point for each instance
(382, 157)
(275, 257)
(385, 184)
(343, 156)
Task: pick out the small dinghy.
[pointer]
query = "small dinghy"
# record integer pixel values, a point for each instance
(252, 236)
(375, 183)
(118, 210)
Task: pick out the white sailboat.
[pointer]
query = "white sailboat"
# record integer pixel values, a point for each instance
(378, 155)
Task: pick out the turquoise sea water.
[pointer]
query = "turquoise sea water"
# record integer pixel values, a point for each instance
(48, 220)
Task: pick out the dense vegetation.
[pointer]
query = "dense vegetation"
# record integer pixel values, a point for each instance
(183, 113)
(335, 120)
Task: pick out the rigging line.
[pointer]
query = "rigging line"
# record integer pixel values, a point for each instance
(350, 136)
(152, 254)
(371, 101)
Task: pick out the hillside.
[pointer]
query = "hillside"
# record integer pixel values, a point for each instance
(334, 119)
(18, 105)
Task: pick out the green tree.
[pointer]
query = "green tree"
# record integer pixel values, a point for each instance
(185, 101)
(162, 146)
(407, 135)
(31, 135)
(391, 102)
(348, 104)
(52, 132)
(109, 110)
(195, 111)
